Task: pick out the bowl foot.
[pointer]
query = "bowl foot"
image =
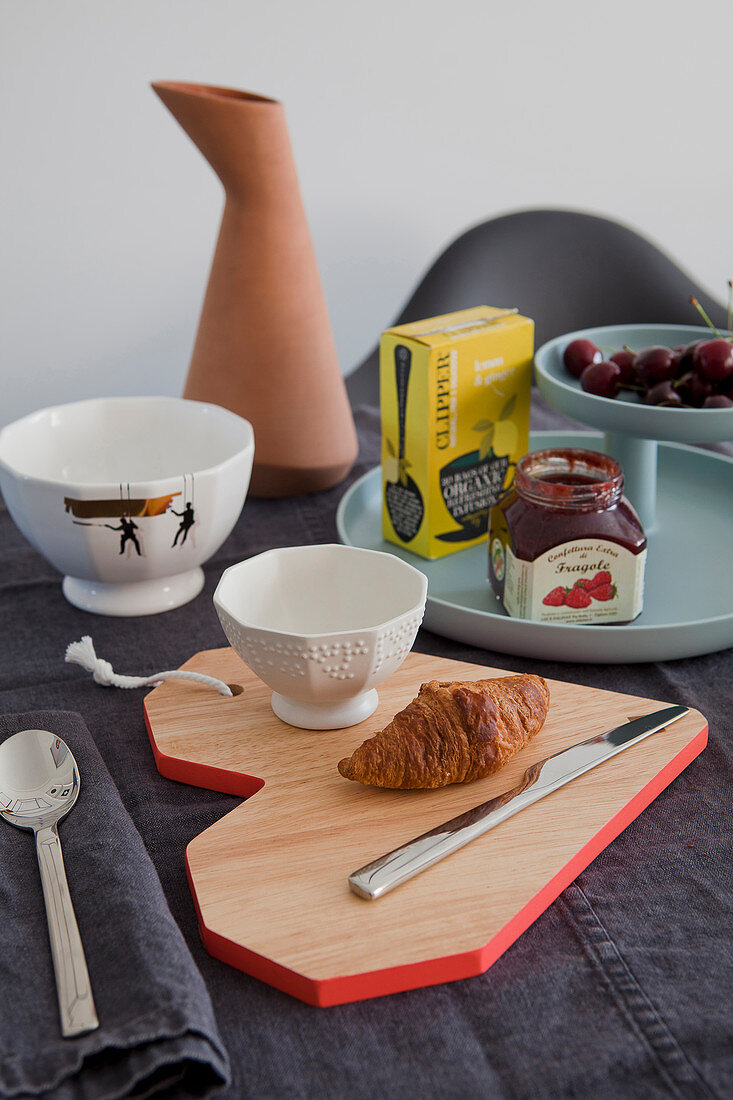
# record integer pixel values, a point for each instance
(329, 716)
(136, 597)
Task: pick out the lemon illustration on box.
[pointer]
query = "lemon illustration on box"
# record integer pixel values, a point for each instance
(455, 393)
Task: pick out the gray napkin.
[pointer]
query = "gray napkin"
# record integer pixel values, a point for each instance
(157, 1033)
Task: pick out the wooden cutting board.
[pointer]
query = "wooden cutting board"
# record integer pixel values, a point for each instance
(269, 880)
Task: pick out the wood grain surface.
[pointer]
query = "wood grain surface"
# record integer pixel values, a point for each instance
(270, 878)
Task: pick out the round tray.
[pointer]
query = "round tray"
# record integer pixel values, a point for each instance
(688, 602)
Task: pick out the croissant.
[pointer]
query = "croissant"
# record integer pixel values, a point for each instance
(452, 733)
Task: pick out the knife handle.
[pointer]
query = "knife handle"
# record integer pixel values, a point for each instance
(383, 874)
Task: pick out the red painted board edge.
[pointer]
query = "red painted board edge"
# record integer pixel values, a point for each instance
(202, 775)
(398, 979)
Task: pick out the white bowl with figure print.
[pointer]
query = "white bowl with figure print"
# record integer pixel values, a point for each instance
(127, 496)
(322, 626)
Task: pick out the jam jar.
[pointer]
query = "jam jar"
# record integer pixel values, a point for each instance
(565, 545)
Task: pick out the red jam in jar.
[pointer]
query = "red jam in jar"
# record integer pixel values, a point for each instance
(565, 545)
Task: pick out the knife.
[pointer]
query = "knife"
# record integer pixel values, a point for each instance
(548, 775)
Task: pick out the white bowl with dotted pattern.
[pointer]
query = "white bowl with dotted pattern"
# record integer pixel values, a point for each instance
(322, 626)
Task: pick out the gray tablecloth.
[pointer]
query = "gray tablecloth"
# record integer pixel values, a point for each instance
(621, 989)
(157, 1032)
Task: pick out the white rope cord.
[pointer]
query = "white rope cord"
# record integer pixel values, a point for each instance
(82, 653)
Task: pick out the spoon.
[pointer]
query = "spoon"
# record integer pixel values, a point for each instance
(403, 498)
(39, 783)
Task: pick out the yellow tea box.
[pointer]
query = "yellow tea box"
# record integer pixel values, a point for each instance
(454, 394)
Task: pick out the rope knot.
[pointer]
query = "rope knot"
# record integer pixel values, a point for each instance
(103, 673)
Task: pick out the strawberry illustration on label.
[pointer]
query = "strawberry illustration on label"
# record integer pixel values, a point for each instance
(578, 597)
(603, 592)
(556, 598)
(583, 592)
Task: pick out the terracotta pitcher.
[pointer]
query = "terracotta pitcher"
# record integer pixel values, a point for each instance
(264, 346)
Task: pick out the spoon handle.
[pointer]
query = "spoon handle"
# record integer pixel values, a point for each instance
(76, 1004)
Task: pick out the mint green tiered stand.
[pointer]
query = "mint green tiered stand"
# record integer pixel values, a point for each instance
(684, 497)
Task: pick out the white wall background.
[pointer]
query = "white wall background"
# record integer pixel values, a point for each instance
(410, 121)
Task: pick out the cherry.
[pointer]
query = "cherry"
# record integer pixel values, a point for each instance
(654, 364)
(717, 401)
(663, 393)
(579, 354)
(602, 379)
(693, 389)
(625, 359)
(684, 357)
(713, 360)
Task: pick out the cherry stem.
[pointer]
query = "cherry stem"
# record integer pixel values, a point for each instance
(730, 304)
(694, 302)
(630, 350)
(629, 386)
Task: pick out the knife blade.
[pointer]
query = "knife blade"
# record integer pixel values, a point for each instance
(377, 878)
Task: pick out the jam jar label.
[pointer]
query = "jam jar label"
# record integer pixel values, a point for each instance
(582, 581)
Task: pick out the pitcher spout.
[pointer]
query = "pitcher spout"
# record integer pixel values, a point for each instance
(243, 136)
